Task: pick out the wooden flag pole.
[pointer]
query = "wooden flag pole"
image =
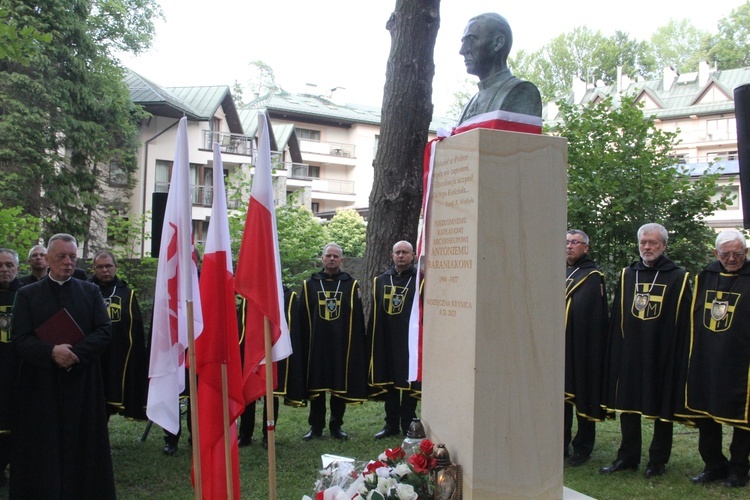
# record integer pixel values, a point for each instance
(195, 432)
(270, 420)
(227, 434)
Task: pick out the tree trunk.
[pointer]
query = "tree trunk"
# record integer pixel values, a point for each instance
(396, 197)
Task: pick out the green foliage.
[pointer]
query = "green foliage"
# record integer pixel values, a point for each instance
(20, 231)
(19, 44)
(730, 48)
(584, 54)
(348, 229)
(620, 176)
(125, 234)
(301, 239)
(68, 116)
(679, 44)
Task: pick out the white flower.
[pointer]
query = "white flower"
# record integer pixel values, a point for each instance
(383, 471)
(325, 472)
(382, 457)
(402, 470)
(385, 484)
(406, 492)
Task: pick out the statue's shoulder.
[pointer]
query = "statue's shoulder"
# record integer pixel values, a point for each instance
(522, 97)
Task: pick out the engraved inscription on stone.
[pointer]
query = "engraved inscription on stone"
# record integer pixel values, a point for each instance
(451, 244)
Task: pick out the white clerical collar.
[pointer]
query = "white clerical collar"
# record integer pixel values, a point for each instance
(58, 281)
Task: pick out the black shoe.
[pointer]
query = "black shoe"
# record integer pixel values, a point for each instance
(617, 466)
(386, 432)
(653, 469)
(736, 480)
(339, 434)
(577, 460)
(710, 476)
(312, 434)
(170, 449)
(244, 441)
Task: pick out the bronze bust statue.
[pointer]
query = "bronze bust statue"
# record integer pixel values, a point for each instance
(485, 45)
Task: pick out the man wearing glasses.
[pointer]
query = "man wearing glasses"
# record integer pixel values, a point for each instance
(718, 384)
(586, 323)
(124, 362)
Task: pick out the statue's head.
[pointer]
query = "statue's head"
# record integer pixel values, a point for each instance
(485, 44)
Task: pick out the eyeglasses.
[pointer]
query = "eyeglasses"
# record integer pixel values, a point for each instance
(736, 255)
(574, 242)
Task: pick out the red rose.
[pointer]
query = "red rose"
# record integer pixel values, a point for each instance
(395, 454)
(419, 463)
(373, 466)
(426, 447)
(319, 495)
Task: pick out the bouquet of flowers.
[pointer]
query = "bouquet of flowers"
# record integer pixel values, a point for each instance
(392, 478)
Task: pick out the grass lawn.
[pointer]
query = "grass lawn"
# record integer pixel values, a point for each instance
(143, 471)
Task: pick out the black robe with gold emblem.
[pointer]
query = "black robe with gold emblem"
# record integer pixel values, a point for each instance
(124, 363)
(718, 379)
(8, 365)
(648, 329)
(586, 325)
(393, 295)
(333, 337)
(290, 383)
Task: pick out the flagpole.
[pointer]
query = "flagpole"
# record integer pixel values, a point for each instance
(270, 421)
(195, 430)
(227, 433)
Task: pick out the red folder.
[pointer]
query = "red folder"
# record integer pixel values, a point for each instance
(60, 328)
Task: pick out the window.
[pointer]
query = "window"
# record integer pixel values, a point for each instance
(304, 133)
(313, 171)
(315, 207)
(721, 156)
(163, 175)
(118, 176)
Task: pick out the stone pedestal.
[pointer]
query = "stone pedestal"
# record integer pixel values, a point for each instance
(493, 360)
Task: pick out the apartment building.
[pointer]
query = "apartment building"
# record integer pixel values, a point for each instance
(323, 149)
(699, 107)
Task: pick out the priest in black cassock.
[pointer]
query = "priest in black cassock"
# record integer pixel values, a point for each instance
(60, 440)
(124, 362)
(393, 294)
(586, 325)
(332, 328)
(718, 380)
(648, 329)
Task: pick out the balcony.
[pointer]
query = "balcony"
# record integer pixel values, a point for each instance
(335, 152)
(333, 186)
(200, 195)
(229, 143)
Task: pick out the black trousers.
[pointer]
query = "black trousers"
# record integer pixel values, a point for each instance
(583, 442)
(317, 418)
(710, 448)
(630, 447)
(400, 409)
(247, 420)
